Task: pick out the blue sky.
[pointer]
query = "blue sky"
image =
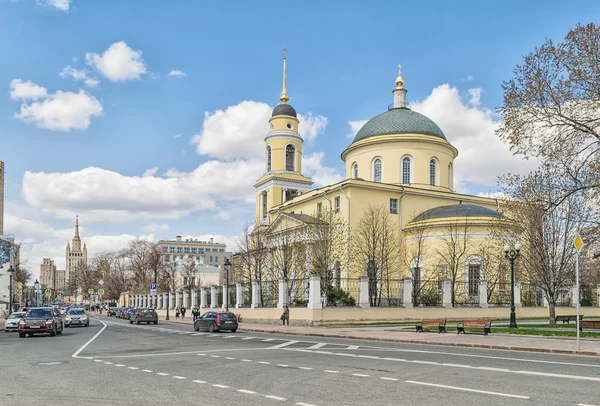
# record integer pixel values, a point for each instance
(200, 163)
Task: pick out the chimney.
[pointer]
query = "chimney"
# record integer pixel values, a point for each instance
(178, 238)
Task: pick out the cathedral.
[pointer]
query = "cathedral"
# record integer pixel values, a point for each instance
(399, 172)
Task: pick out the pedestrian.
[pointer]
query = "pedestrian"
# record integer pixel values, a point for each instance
(286, 315)
(195, 312)
(183, 309)
(177, 313)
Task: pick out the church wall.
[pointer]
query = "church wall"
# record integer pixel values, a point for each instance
(278, 153)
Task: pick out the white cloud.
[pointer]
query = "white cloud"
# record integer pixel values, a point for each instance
(483, 157)
(223, 215)
(174, 173)
(355, 126)
(177, 72)
(321, 175)
(79, 74)
(154, 227)
(469, 78)
(239, 131)
(59, 4)
(150, 172)
(20, 90)
(177, 135)
(475, 96)
(61, 111)
(118, 63)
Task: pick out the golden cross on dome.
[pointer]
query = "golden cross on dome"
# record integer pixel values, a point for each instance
(284, 52)
(284, 97)
(399, 70)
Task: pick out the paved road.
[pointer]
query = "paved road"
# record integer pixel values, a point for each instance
(117, 363)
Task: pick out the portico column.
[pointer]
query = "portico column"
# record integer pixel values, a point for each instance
(239, 294)
(283, 195)
(407, 290)
(262, 202)
(283, 294)
(203, 298)
(171, 300)
(363, 292)
(447, 293)
(165, 301)
(314, 295)
(186, 298)
(213, 296)
(598, 295)
(158, 301)
(483, 302)
(225, 296)
(255, 294)
(194, 298)
(177, 296)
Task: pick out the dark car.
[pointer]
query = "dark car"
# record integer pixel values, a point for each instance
(216, 321)
(41, 320)
(147, 315)
(112, 311)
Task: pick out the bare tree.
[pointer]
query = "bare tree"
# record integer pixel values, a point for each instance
(417, 259)
(189, 273)
(453, 251)
(145, 262)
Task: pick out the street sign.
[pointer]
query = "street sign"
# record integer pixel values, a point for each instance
(578, 242)
(100, 282)
(48, 292)
(91, 291)
(153, 287)
(100, 291)
(100, 286)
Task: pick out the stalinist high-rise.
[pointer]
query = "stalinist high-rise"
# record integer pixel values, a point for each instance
(76, 256)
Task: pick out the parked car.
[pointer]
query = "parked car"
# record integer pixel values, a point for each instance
(216, 321)
(41, 320)
(112, 311)
(129, 312)
(77, 317)
(142, 315)
(12, 321)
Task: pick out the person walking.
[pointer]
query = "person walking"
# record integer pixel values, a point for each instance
(177, 313)
(183, 310)
(286, 315)
(195, 312)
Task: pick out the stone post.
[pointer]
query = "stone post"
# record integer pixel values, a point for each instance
(283, 294)
(407, 290)
(177, 296)
(518, 295)
(194, 298)
(363, 292)
(186, 298)
(139, 300)
(546, 304)
(213, 296)
(483, 303)
(203, 297)
(159, 301)
(255, 294)
(225, 297)
(314, 295)
(165, 301)
(574, 296)
(239, 294)
(447, 293)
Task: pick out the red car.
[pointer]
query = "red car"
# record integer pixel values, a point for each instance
(41, 320)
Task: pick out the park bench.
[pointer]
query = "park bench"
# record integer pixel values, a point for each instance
(440, 324)
(589, 324)
(485, 324)
(568, 318)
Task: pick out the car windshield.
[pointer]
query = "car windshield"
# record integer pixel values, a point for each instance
(147, 311)
(229, 316)
(77, 311)
(16, 315)
(39, 313)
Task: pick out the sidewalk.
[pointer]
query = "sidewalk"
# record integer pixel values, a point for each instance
(497, 342)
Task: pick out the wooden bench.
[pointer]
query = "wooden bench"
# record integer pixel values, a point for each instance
(485, 324)
(589, 324)
(568, 318)
(440, 324)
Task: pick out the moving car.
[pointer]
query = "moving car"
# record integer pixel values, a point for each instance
(40, 320)
(112, 311)
(146, 314)
(12, 321)
(216, 321)
(77, 317)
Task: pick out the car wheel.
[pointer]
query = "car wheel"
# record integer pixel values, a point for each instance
(59, 332)
(137, 322)
(196, 327)
(234, 330)
(21, 335)
(156, 322)
(130, 321)
(53, 332)
(211, 327)
(87, 324)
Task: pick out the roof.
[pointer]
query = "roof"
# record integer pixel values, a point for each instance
(304, 218)
(399, 121)
(284, 110)
(457, 210)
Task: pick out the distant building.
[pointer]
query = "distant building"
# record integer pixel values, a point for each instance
(203, 252)
(52, 277)
(76, 256)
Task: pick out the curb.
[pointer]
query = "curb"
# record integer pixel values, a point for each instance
(408, 341)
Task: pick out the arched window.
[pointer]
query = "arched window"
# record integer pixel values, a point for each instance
(355, 171)
(290, 155)
(268, 158)
(432, 172)
(473, 274)
(450, 176)
(406, 166)
(377, 170)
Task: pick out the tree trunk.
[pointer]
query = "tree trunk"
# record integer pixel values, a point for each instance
(552, 312)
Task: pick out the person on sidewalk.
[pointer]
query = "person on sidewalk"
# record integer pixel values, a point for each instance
(195, 312)
(183, 310)
(177, 313)
(286, 315)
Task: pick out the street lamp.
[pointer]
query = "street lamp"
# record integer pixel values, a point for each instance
(129, 295)
(11, 273)
(168, 278)
(227, 266)
(36, 290)
(512, 254)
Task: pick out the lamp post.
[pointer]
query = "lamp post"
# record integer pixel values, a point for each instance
(168, 278)
(11, 273)
(129, 295)
(36, 289)
(512, 254)
(227, 266)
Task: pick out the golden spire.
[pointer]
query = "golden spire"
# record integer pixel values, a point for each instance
(399, 79)
(284, 97)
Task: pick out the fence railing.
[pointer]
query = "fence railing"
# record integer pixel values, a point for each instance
(269, 293)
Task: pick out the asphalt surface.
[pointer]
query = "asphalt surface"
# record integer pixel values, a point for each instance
(115, 363)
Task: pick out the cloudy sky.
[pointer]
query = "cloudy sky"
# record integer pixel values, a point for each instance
(147, 118)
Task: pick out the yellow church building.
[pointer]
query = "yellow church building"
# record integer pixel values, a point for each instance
(395, 214)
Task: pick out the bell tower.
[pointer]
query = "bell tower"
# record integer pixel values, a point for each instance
(283, 179)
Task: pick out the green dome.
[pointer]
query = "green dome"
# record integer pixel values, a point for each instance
(399, 121)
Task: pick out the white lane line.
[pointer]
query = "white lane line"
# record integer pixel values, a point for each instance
(283, 365)
(215, 356)
(162, 374)
(229, 358)
(305, 368)
(331, 371)
(582, 378)
(179, 377)
(198, 334)
(353, 347)
(316, 346)
(264, 362)
(202, 355)
(345, 354)
(162, 354)
(132, 368)
(186, 332)
(246, 360)
(248, 338)
(98, 360)
(119, 365)
(268, 339)
(275, 397)
(216, 385)
(287, 343)
(508, 395)
(108, 363)
(457, 365)
(385, 378)
(304, 404)
(361, 375)
(197, 381)
(584, 404)
(425, 362)
(76, 354)
(494, 369)
(249, 392)
(147, 370)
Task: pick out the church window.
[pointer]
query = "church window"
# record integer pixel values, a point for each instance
(432, 172)
(290, 155)
(337, 204)
(290, 126)
(377, 170)
(355, 171)
(473, 275)
(393, 206)
(406, 166)
(268, 158)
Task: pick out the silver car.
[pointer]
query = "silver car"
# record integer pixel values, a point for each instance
(12, 321)
(147, 315)
(76, 317)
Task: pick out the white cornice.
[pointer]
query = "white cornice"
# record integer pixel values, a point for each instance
(283, 134)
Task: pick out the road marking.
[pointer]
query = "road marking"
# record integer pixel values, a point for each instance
(304, 404)
(108, 363)
(76, 354)
(215, 356)
(197, 381)
(248, 338)
(216, 385)
(508, 395)
(132, 368)
(584, 404)
(98, 360)
(361, 375)
(331, 371)
(494, 369)
(287, 343)
(179, 377)
(353, 347)
(202, 355)
(229, 358)
(249, 392)
(283, 365)
(264, 362)
(345, 354)
(316, 346)
(385, 378)
(246, 360)
(184, 352)
(198, 334)
(582, 378)
(162, 373)
(269, 339)
(119, 365)
(147, 370)
(305, 368)
(275, 397)
(185, 332)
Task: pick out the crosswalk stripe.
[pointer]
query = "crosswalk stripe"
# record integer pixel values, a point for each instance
(287, 343)
(318, 345)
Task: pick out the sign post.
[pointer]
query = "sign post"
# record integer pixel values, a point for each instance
(578, 242)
